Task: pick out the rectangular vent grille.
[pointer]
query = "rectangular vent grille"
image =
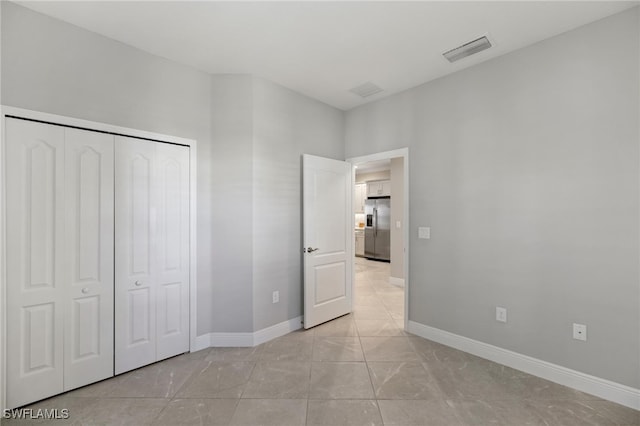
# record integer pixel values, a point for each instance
(467, 49)
(365, 90)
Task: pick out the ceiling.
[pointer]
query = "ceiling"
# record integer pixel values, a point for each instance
(324, 49)
(373, 166)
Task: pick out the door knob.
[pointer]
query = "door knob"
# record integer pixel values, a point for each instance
(85, 290)
(138, 283)
(311, 249)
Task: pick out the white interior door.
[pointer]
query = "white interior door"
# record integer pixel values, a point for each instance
(135, 257)
(173, 250)
(88, 330)
(35, 264)
(328, 225)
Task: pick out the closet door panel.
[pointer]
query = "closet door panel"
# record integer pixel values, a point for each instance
(135, 253)
(35, 260)
(173, 250)
(89, 231)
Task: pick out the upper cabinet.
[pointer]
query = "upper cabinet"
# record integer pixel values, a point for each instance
(360, 197)
(381, 188)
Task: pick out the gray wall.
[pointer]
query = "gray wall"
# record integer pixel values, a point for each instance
(54, 67)
(526, 169)
(250, 135)
(286, 125)
(232, 213)
(397, 214)
(260, 130)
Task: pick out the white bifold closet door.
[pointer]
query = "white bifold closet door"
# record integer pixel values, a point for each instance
(151, 252)
(88, 338)
(59, 259)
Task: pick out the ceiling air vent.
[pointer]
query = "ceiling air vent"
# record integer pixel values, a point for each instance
(467, 49)
(365, 90)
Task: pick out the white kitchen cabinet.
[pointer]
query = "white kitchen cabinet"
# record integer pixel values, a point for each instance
(381, 188)
(359, 242)
(360, 197)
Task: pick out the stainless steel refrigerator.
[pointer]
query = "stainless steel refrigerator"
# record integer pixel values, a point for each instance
(377, 233)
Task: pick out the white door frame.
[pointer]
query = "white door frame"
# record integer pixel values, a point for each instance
(387, 155)
(107, 128)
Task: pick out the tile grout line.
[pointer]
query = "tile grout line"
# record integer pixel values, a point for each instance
(313, 348)
(375, 395)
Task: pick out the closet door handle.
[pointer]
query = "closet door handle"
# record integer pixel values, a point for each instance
(138, 283)
(85, 290)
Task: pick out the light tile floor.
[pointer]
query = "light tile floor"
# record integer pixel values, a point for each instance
(361, 369)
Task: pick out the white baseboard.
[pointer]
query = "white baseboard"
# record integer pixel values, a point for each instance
(398, 282)
(277, 330)
(235, 340)
(202, 342)
(606, 389)
(231, 340)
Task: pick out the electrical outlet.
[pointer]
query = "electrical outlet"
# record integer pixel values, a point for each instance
(501, 314)
(424, 232)
(276, 296)
(580, 332)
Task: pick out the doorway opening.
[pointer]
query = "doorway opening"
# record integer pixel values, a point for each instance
(380, 290)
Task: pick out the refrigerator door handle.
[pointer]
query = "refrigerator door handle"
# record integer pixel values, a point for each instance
(375, 222)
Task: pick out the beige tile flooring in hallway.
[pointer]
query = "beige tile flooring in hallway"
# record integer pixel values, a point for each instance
(361, 369)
